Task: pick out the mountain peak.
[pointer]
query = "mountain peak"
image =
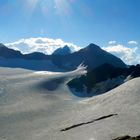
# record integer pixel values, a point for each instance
(93, 46)
(62, 51)
(2, 45)
(66, 46)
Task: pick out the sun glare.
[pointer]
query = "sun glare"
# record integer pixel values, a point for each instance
(62, 7)
(31, 5)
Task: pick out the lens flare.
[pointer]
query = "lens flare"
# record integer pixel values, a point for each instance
(62, 7)
(29, 6)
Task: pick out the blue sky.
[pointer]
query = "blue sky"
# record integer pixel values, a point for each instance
(78, 21)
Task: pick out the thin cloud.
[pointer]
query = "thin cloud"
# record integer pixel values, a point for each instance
(132, 42)
(112, 42)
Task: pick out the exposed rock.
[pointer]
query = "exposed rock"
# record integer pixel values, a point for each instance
(84, 123)
(62, 51)
(127, 137)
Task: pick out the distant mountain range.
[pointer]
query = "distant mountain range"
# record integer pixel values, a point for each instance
(105, 71)
(92, 56)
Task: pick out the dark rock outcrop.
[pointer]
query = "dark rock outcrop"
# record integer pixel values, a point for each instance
(127, 137)
(102, 74)
(62, 51)
(9, 53)
(85, 123)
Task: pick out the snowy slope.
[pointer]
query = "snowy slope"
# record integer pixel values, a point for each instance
(29, 110)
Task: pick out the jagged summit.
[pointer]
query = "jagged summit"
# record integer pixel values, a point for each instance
(62, 51)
